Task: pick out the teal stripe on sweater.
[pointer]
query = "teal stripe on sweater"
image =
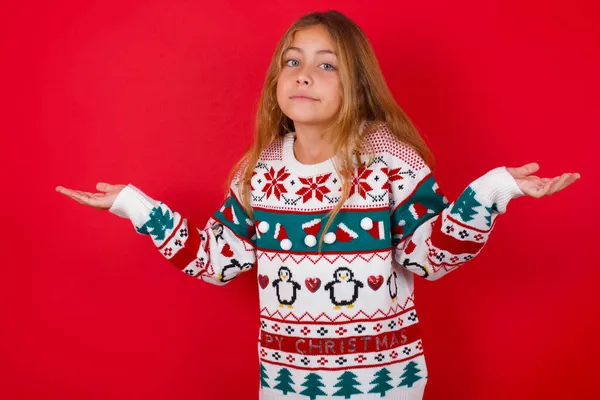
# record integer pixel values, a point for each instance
(292, 224)
(425, 198)
(232, 207)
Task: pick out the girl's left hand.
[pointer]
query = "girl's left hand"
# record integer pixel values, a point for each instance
(537, 187)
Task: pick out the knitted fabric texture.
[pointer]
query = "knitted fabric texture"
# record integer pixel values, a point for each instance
(341, 322)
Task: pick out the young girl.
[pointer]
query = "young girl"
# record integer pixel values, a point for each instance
(336, 205)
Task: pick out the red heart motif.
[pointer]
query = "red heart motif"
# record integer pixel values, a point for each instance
(312, 284)
(263, 280)
(226, 250)
(375, 281)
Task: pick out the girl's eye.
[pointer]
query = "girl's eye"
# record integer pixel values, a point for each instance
(331, 67)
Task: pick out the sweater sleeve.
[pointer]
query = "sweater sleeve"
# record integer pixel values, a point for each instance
(431, 236)
(216, 253)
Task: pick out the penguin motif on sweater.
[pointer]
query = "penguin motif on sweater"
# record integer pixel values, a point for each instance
(233, 269)
(285, 287)
(392, 286)
(416, 268)
(343, 290)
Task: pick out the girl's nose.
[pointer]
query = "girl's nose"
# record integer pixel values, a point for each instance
(302, 80)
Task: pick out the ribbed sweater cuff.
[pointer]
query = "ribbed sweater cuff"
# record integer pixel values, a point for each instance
(132, 203)
(498, 186)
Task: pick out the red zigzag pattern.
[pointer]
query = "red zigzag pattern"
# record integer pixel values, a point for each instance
(307, 317)
(315, 258)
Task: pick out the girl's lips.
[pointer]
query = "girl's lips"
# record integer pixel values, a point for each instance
(302, 98)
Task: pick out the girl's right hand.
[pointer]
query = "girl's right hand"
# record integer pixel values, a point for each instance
(100, 201)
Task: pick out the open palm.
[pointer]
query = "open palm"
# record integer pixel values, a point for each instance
(537, 187)
(102, 200)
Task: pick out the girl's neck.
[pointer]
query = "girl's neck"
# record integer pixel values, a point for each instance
(313, 144)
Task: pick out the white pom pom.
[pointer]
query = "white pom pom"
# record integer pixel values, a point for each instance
(310, 240)
(263, 226)
(366, 223)
(329, 238)
(286, 244)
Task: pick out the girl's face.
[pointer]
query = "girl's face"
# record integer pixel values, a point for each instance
(310, 70)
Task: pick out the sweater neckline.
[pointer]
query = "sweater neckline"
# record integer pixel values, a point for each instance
(301, 169)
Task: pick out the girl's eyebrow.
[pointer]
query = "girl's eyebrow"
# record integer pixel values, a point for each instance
(326, 51)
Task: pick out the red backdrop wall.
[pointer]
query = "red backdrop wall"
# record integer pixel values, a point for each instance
(162, 94)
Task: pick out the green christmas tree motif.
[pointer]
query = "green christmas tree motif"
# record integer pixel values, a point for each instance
(285, 381)
(382, 377)
(158, 224)
(409, 377)
(490, 210)
(313, 385)
(465, 204)
(263, 376)
(347, 382)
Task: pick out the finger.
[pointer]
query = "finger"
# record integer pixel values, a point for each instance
(65, 191)
(104, 187)
(81, 193)
(78, 197)
(556, 181)
(570, 180)
(557, 184)
(560, 185)
(525, 170)
(89, 199)
(94, 198)
(552, 180)
(531, 167)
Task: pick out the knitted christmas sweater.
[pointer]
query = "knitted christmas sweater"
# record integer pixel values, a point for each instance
(340, 323)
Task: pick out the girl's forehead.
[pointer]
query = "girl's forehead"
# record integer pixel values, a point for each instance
(315, 36)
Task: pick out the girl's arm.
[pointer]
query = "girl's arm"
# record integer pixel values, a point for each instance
(216, 253)
(431, 236)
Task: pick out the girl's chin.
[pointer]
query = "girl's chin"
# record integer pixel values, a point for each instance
(299, 114)
(306, 119)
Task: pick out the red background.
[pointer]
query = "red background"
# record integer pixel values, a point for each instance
(162, 95)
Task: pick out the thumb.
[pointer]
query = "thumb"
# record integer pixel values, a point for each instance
(104, 187)
(525, 170)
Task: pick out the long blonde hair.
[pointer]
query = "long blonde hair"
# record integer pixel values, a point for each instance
(365, 96)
